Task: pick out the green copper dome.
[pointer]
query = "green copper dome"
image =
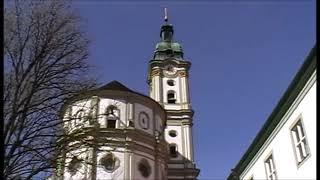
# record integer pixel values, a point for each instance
(167, 47)
(164, 46)
(176, 47)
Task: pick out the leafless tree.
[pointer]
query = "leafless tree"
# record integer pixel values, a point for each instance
(45, 55)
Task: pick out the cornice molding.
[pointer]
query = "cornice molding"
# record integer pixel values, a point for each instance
(131, 139)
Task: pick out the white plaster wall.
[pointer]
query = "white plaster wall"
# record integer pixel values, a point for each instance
(188, 142)
(82, 104)
(126, 112)
(159, 90)
(102, 174)
(176, 140)
(181, 90)
(282, 146)
(71, 122)
(175, 88)
(138, 108)
(81, 153)
(156, 88)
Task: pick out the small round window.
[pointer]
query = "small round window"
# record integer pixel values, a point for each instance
(109, 162)
(170, 82)
(173, 133)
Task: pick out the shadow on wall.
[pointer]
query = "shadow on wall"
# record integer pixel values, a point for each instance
(179, 165)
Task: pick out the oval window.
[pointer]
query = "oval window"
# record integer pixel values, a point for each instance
(173, 133)
(171, 82)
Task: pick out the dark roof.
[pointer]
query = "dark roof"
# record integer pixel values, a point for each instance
(115, 85)
(299, 81)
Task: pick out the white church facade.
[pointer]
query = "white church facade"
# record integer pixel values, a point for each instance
(113, 132)
(285, 147)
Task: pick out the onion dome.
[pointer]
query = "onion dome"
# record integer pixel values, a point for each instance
(167, 48)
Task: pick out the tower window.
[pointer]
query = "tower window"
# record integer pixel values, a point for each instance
(173, 133)
(171, 97)
(173, 150)
(299, 141)
(170, 82)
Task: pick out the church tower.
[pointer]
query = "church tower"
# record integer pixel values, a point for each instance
(113, 132)
(168, 85)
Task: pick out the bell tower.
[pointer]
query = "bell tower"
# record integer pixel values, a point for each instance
(168, 85)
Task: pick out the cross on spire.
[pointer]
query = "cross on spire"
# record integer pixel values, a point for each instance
(165, 15)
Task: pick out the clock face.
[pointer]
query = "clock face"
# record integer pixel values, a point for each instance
(169, 69)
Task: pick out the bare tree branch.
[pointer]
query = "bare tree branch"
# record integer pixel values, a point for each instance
(46, 62)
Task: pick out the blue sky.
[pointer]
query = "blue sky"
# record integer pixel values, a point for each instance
(244, 54)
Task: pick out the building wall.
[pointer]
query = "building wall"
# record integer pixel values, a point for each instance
(128, 158)
(148, 125)
(179, 114)
(121, 106)
(175, 140)
(180, 88)
(82, 172)
(128, 111)
(280, 142)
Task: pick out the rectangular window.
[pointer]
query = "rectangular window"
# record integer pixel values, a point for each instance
(111, 124)
(171, 98)
(270, 168)
(299, 141)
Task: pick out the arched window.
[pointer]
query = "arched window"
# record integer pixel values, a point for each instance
(171, 97)
(111, 110)
(111, 116)
(79, 117)
(173, 149)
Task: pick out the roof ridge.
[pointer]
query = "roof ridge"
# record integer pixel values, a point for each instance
(115, 85)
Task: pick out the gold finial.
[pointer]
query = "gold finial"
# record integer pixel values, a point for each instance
(165, 15)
